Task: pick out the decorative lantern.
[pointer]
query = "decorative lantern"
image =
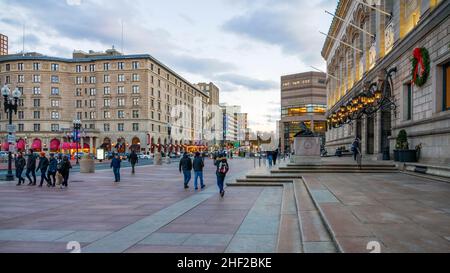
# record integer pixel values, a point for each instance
(378, 94)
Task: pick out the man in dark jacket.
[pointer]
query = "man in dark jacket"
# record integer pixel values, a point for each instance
(20, 165)
(115, 165)
(31, 167)
(221, 171)
(64, 170)
(198, 170)
(186, 167)
(133, 160)
(52, 169)
(275, 156)
(43, 166)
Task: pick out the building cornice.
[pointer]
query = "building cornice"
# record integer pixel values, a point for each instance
(341, 10)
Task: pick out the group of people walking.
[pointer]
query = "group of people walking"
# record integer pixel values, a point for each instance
(52, 169)
(187, 165)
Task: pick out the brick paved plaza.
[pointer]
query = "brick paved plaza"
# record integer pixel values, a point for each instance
(151, 212)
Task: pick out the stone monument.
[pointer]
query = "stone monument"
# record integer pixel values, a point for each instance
(306, 147)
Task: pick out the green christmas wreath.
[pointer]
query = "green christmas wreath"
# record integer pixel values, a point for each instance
(420, 60)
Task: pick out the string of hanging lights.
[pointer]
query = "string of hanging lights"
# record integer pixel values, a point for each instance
(375, 97)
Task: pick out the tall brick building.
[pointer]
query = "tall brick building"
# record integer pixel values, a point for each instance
(3, 45)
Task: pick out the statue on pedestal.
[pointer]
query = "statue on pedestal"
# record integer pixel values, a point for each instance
(304, 131)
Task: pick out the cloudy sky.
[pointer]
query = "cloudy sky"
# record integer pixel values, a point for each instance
(243, 46)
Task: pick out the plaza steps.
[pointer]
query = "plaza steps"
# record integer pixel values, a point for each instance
(302, 229)
(336, 168)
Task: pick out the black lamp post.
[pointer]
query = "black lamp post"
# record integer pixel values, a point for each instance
(10, 104)
(77, 127)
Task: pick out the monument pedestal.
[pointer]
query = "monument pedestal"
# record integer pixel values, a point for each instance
(306, 150)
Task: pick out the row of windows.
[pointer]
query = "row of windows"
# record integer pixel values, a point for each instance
(301, 110)
(301, 82)
(106, 127)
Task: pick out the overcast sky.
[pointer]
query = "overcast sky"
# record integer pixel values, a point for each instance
(243, 46)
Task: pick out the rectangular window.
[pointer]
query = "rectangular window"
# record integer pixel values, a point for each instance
(55, 91)
(120, 127)
(79, 104)
(36, 78)
(55, 67)
(36, 114)
(20, 115)
(36, 66)
(92, 92)
(92, 103)
(106, 115)
(55, 79)
(106, 66)
(135, 89)
(78, 80)
(120, 114)
(55, 115)
(78, 92)
(135, 113)
(92, 79)
(106, 79)
(121, 78)
(55, 103)
(107, 90)
(92, 67)
(20, 79)
(106, 127)
(20, 66)
(135, 65)
(92, 115)
(21, 127)
(135, 127)
(120, 102)
(135, 77)
(106, 102)
(36, 102)
(121, 66)
(37, 127)
(135, 101)
(55, 127)
(120, 90)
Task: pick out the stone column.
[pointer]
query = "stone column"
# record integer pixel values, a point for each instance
(364, 136)
(378, 150)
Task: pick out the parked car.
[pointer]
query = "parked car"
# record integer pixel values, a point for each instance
(144, 156)
(3, 155)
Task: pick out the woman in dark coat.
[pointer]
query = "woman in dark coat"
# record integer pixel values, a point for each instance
(20, 165)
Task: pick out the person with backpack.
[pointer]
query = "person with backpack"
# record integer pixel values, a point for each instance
(31, 167)
(52, 169)
(20, 165)
(198, 165)
(221, 171)
(64, 170)
(186, 167)
(133, 160)
(115, 165)
(43, 166)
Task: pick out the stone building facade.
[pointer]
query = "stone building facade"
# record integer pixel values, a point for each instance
(303, 99)
(123, 101)
(364, 57)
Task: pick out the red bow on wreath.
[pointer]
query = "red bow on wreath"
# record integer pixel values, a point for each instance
(418, 56)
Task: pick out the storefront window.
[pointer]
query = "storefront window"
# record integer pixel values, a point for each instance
(301, 110)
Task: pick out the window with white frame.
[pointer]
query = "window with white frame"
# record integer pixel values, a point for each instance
(121, 78)
(120, 102)
(55, 115)
(36, 90)
(106, 90)
(55, 91)
(135, 89)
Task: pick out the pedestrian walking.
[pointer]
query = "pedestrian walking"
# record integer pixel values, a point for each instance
(198, 165)
(52, 169)
(31, 167)
(133, 160)
(270, 158)
(355, 148)
(43, 166)
(115, 165)
(275, 156)
(64, 170)
(20, 164)
(221, 172)
(186, 167)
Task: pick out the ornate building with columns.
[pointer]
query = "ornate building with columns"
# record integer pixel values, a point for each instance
(370, 42)
(123, 101)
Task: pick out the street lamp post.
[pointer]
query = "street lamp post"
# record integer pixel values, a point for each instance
(169, 132)
(10, 104)
(77, 127)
